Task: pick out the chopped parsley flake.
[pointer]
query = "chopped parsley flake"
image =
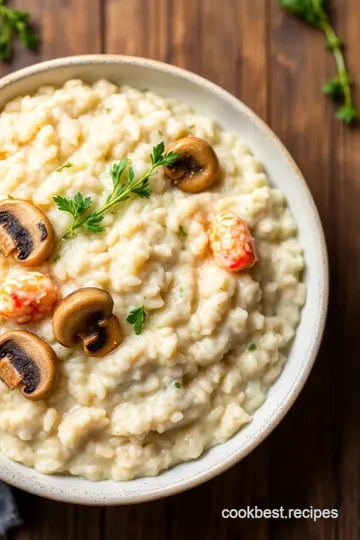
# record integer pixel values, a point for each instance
(182, 232)
(251, 347)
(137, 317)
(66, 166)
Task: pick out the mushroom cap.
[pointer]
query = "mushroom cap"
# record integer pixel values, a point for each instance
(107, 338)
(25, 230)
(29, 362)
(86, 314)
(196, 167)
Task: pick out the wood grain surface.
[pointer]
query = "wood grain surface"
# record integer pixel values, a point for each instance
(276, 65)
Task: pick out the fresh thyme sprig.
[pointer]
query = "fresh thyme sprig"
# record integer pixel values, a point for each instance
(76, 207)
(120, 193)
(316, 13)
(137, 317)
(14, 22)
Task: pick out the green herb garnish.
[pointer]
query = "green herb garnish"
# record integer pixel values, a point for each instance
(251, 347)
(10, 197)
(192, 126)
(57, 258)
(316, 13)
(15, 23)
(121, 192)
(177, 384)
(160, 132)
(137, 317)
(65, 166)
(75, 207)
(182, 232)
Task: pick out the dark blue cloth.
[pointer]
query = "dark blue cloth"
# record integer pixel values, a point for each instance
(9, 515)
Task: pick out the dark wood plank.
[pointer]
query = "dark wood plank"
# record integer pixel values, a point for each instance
(252, 82)
(344, 315)
(124, 37)
(185, 30)
(214, 40)
(301, 458)
(145, 30)
(66, 28)
(219, 31)
(23, 58)
(70, 28)
(49, 520)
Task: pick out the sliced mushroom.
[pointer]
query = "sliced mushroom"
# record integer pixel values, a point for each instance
(26, 231)
(196, 167)
(29, 362)
(86, 315)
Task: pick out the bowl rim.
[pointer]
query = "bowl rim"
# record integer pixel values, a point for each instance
(12, 477)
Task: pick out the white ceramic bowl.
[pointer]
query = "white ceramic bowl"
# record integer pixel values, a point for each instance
(209, 100)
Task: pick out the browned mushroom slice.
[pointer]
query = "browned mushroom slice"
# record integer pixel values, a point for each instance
(29, 362)
(26, 231)
(86, 315)
(196, 167)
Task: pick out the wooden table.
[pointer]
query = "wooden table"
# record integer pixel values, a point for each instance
(275, 65)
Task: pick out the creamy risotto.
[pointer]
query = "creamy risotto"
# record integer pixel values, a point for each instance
(212, 340)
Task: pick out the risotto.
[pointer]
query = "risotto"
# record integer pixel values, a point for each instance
(198, 322)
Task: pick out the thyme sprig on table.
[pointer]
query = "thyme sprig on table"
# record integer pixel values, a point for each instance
(78, 206)
(14, 22)
(316, 14)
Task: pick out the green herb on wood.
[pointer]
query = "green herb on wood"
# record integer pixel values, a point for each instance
(316, 13)
(137, 317)
(15, 23)
(120, 193)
